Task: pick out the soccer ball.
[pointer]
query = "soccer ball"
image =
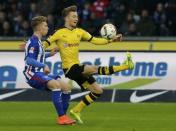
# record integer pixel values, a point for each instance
(108, 31)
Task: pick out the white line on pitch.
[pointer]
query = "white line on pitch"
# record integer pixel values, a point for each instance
(113, 96)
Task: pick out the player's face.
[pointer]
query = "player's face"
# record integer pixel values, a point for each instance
(43, 28)
(72, 19)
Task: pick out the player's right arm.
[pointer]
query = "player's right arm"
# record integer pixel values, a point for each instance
(31, 57)
(34, 63)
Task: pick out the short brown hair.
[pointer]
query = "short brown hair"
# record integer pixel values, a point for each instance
(37, 20)
(69, 9)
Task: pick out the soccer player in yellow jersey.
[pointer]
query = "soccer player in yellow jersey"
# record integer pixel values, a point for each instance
(68, 39)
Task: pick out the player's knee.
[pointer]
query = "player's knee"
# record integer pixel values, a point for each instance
(66, 88)
(95, 69)
(57, 85)
(98, 91)
(101, 91)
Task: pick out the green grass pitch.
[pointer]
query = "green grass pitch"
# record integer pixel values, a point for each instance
(40, 116)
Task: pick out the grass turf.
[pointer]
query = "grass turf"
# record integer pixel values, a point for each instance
(40, 116)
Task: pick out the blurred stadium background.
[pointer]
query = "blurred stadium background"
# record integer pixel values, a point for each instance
(149, 30)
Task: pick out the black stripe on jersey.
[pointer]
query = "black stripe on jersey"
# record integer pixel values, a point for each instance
(48, 42)
(90, 39)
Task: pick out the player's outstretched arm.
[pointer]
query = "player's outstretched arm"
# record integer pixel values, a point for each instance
(103, 41)
(99, 41)
(117, 38)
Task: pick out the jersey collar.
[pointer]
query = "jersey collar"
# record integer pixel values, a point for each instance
(70, 29)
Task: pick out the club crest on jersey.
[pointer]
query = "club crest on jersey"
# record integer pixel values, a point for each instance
(64, 36)
(78, 36)
(31, 50)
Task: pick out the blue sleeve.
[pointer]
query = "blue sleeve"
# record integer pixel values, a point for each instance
(33, 50)
(47, 55)
(35, 63)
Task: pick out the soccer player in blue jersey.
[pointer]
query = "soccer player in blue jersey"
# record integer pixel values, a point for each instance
(37, 72)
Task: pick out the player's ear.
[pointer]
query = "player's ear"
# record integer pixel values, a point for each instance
(66, 18)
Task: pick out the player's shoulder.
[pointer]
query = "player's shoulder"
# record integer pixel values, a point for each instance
(81, 30)
(60, 30)
(33, 40)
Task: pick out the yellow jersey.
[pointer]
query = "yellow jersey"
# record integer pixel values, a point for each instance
(68, 42)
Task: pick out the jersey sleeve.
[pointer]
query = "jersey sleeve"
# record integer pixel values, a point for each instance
(51, 39)
(35, 63)
(33, 50)
(85, 35)
(99, 41)
(94, 40)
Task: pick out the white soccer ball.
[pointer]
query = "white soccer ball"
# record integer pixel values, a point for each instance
(108, 31)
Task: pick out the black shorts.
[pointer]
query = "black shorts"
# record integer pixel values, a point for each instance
(75, 73)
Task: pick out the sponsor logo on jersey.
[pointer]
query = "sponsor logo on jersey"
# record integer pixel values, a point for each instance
(31, 50)
(70, 45)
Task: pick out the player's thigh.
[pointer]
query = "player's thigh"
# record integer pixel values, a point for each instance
(62, 85)
(65, 86)
(53, 84)
(89, 69)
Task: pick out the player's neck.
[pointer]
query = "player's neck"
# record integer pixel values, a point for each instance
(69, 27)
(39, 35)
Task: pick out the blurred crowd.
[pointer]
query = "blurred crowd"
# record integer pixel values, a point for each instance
(131, 17)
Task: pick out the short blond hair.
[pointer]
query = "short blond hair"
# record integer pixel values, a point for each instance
(37, 20)
(69, 9)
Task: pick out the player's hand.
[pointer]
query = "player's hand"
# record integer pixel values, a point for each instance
(46, 70)
(118, 37)
(54, 51)
(22, 45)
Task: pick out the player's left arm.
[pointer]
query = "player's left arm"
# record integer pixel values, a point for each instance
(52, 53)
(99, 41)
(51, 40)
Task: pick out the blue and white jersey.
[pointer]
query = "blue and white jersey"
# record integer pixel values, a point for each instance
(33, 49)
